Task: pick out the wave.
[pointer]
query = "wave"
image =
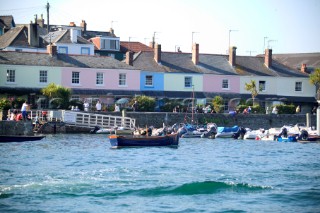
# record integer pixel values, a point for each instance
(197, 188)
(193, 188)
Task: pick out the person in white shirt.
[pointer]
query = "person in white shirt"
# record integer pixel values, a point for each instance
(24, 110)
(86, 106)
(98, 106)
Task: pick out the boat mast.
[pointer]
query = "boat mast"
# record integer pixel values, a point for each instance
(192, 104)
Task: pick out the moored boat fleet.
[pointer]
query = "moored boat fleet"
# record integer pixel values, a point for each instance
(169, 135)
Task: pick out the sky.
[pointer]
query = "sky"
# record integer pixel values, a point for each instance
(285, 26)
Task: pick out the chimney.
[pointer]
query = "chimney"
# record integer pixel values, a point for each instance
(72, 24)
(195, 54)
(304, 68)
(40, 21)
(111, 32)
(83, 25)
(268, 58)
(157, 53)
(232, 56)
(52, 50)
(151, 44)
(33, 36)
(129, 58)
(73, 35)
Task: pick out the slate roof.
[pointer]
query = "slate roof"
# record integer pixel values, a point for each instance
(181, 63)
(91, 34)
(213, 64)
(61, 60)
(7, 21)
(254, 66)
(63, 36)
(134, 46)
(17, 36)
(294, 61)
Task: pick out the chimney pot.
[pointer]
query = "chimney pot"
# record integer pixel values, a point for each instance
(232, 56)
(268, 58)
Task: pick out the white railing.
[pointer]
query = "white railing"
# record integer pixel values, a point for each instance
(92, 120)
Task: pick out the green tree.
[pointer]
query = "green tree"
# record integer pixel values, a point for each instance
(145, 103)
(314, 79)
(252, 87)
(217, 103)
(58, 95)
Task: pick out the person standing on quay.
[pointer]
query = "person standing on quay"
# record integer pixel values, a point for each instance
(24, 111)
(98, 106)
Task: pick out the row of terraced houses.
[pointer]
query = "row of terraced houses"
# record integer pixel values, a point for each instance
(96, 65)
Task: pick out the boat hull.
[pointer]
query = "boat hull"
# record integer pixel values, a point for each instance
(136, 141)
(19, 138)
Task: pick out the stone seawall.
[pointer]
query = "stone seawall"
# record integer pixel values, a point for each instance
(156, 119)
(16, 128)
(253, 121)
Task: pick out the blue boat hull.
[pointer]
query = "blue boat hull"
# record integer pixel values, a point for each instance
(136, 141)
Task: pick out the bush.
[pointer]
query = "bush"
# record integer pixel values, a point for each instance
(217, 103)
(5, 104)
(145, 103)
(286, 109)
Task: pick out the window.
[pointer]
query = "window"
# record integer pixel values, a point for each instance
(85, 51)
(18, 50)
(225, 84)
(11, 76)
(63, 50)
(188, 81)
(298, 87)
(43, 76)
(262, 85)
(122, 79)
(99, 79)
(109, 44)
(75, 77)
(149, 80)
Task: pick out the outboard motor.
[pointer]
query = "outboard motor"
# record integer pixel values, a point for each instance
(303, 135)
(284, 132)
(93, 131)
(240, 133)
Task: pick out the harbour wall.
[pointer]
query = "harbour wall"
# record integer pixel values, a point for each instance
(252, 121)
(157, 119)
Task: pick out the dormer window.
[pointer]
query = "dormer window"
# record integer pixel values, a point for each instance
(109, 44)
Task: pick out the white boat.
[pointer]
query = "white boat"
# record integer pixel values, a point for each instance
(226, 132)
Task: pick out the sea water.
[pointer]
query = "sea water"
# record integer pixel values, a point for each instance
(81, 173)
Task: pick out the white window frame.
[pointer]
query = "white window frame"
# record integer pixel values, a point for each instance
(75, 80)
(99, 79)
(122, 79)
(43, 76)
(149, 82)
(188, 82)
(11, 76)
(225, 84)
(298, 86)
